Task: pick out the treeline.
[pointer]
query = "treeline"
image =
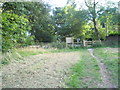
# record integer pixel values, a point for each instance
(24, 23)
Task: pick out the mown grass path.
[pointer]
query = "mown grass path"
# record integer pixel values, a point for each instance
(103, 71)
(39, 71)
(84, 74)
(96, 68)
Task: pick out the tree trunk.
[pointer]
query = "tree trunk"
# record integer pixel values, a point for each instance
(92, 10)
(94, 21)
(96, 30)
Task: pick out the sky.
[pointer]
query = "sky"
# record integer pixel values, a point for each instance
(62, 3)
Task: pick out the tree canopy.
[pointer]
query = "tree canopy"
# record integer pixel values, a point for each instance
(26, 22)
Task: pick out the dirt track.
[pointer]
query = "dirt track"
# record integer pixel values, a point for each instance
(105, 77)
(39, 71)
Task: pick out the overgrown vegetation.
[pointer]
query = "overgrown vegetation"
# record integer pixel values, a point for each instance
(20, 53)
(9, 57)
(84, 74)
(112, 43)
(14, 29)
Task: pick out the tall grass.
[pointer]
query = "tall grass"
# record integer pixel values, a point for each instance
(19, 53)
(9, 57)
(30, 51)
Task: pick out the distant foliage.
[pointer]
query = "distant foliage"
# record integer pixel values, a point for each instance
(21, 20)
(14, 31)
(69, 22)
(97, 44)
(58, 45)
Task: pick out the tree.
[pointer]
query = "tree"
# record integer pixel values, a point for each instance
(69, 21)
(109, 20)
(105, 16)
(92, 9)
(38, 16)
(14, 31)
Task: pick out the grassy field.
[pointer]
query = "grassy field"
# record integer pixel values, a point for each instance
(34, 51)
(85, 74)
(20, 53)
(109, 56)
(30, 51)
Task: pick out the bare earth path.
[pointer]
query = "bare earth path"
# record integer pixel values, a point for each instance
(39, 71)
(106, 83)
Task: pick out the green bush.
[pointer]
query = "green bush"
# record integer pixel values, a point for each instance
(58, 45)
(97, 44)
(111, 43)
(14, 31)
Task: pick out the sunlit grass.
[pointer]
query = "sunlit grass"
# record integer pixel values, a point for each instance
(109, 56)
(30, 51)
(85, 73)
(19, 53)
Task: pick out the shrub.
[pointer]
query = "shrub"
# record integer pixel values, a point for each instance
(97, 44)
(14, 31)
(58, 45)
(111, 43)
(10, 56)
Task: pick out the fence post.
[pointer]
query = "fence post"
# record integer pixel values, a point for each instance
(84, 43)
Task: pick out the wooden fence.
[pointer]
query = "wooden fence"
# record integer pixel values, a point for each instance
(90, 43)
(84, 43)
(73, 44)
